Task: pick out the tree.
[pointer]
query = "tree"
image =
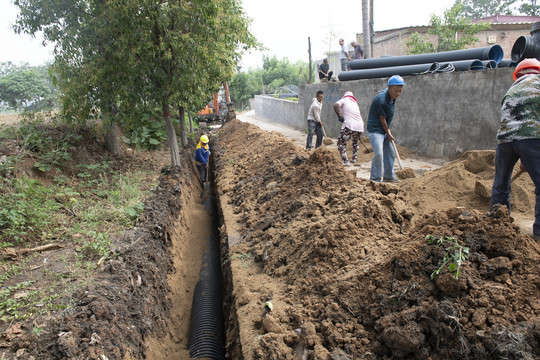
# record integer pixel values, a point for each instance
(89, 65)
(529, 8)
(128, 57)
(184, 50)
(26, 87)
(476, 9)
(452, 32)
(274, 74)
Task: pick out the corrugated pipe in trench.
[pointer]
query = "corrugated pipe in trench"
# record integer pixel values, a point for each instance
(206, 333)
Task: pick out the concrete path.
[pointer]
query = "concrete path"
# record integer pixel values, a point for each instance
(419, 165)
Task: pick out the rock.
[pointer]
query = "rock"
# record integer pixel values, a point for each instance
(271, 325)
(404, 340)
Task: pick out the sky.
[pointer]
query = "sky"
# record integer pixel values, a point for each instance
(282, 26)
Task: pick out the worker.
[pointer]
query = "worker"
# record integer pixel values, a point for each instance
(324, 71)
(202, 153)
(314, 121)
(343, 56)
(352, 125)
(519, 136)
(381, 113)
(358, 50)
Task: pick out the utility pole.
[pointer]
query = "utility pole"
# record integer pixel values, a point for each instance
(371, 27)
(365, 28)
(310, 69)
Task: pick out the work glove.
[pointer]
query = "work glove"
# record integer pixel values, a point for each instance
(341, 119)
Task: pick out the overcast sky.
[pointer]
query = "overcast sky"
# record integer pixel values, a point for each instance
(283, 26)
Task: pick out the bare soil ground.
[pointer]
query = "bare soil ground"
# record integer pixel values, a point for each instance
(345, 262)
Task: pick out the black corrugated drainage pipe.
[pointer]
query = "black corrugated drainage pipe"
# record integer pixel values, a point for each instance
(527, 47)
(207, 330)
(489, 64)
(462, 65)
(494, 52)
(507, 63)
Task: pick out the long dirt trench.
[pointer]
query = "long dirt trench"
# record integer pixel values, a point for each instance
(345, 264)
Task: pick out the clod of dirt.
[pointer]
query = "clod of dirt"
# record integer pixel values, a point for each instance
(406, 173)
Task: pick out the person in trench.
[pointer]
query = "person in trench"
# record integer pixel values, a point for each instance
(202, 154)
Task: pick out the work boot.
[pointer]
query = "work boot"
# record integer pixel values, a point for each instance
(536, 237)
(393, 180)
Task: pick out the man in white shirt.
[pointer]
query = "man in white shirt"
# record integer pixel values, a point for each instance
(314, 121)
(352, 125)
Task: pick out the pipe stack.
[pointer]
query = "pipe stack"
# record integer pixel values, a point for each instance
(461, 60)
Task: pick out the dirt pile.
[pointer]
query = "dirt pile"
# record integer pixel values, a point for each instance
(346, 264)
(467, 182)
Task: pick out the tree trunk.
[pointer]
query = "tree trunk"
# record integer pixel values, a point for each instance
(365, 28)
(173, 144)
(111, 135)
(190, 123)
(183, 130)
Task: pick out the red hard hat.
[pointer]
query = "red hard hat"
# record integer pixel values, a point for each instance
(526, 64)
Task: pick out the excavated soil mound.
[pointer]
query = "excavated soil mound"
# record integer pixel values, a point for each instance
(347, 267)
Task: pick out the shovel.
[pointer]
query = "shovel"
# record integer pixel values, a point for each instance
(367, 151)
(327, 140)
(397, 155)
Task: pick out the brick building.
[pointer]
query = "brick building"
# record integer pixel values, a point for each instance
(504, 31)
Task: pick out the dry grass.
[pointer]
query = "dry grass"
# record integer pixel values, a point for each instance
(9, 119)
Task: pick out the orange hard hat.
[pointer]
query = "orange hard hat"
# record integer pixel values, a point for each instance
(526, 64)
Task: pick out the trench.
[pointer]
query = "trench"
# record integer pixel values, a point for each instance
(207, 331)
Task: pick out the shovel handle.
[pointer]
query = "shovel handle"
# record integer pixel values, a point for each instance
(518, 174)
(397, 155)
(323, 132)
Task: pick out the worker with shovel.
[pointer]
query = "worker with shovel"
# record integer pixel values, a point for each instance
(380, 117)
(314, 121)
(202, 153)
(352, 125)
(519, 136)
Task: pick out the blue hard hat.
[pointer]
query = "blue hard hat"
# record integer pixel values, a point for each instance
(396, 80)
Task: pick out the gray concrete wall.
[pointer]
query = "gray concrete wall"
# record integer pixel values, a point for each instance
(283, 111)
(438, 115)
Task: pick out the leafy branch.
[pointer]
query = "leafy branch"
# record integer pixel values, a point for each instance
(454, 255)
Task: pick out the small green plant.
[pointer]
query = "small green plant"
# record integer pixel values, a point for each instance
(50, 152)
(99, 244)
(26, 211)
(454, 255)
(148, 134)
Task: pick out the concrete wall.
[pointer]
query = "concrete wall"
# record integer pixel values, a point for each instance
(283, 111)
(438, 115)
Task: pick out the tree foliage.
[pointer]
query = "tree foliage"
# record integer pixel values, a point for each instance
(271, 77)
(453, 31)
(131, 57)
(529, 7)
(25, 87)
(476, 9)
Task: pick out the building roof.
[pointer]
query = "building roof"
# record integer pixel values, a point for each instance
(509, 19)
